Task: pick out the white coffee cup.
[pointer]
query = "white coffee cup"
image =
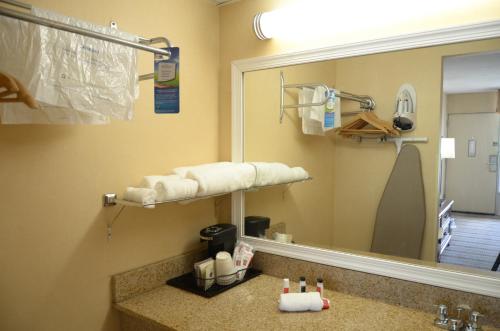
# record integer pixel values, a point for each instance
(224, 268)
(282, 237)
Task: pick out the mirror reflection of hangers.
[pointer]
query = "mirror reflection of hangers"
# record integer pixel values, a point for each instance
(368, 123)
(11, 90)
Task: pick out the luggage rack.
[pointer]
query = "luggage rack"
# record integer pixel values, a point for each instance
(143, 44)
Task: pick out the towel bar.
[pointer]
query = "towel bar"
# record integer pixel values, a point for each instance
(143, 44)
(366, 102)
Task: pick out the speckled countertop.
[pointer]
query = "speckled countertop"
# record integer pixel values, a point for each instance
(254, 306)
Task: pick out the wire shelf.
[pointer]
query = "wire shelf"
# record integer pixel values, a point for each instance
(114, 200)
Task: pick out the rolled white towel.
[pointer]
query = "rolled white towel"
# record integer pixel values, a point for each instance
(171, 187)
(299, 173)
(182, 171)
(150, 181)
(301, 301)
(175, 189)
(221, 177)
(271, 173)
(145, 196)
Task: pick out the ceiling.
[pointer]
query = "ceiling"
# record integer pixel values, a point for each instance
(471, 73)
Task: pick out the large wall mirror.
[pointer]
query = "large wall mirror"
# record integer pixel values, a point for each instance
(432, 208)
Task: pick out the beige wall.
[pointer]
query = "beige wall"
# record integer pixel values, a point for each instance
(484, 102)
(55, 260)
(306, 208)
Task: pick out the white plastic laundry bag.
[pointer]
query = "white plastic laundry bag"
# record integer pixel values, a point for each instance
(75, 79)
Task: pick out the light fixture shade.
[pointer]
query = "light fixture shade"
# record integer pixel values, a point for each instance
(447, 148)
(314, 20)
(262, 26)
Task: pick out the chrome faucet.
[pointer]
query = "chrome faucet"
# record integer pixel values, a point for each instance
(458, 323)
(442, 320)
(473, 322)
(455, 324)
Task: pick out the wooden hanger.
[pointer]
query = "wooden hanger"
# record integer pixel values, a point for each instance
(15, 91)
(377, 126)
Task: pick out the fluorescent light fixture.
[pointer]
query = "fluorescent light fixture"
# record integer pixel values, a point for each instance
(257, 27)
(317, 19)
(447, 148)
(267, 25)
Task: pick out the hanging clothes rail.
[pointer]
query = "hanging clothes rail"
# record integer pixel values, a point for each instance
(366, 103)
(143, 44)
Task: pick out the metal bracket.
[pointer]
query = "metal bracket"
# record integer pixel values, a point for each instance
(109, 199)
(399, 141)
(150, 42)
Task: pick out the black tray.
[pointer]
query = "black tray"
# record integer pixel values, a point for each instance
(187, 282)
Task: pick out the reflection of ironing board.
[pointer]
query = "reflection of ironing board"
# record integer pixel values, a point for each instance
(400, 221)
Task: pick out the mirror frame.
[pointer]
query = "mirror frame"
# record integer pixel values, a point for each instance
(457, 280)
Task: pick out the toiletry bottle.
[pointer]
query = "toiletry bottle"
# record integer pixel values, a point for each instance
(319, 286)
(286, 285)
(302, 284)
(329, 122)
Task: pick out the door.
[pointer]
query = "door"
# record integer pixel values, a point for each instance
(471, 178)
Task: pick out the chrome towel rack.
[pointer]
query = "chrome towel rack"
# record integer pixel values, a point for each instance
(366, 102)
(143, 44)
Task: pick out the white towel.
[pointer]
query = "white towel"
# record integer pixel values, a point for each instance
(182, 171)
(145, 196)
(169, 188)
(312, 117)
(268, 173)
(318, 112)
(150, 181)
(305, 96)
(301, 301)
(221, 177)
(338, 112)
(309, 125)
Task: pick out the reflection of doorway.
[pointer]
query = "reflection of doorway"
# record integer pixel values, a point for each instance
(469, 181)
(471, 178)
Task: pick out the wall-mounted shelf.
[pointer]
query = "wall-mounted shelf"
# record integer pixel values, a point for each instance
(111, 199)
(398, 141)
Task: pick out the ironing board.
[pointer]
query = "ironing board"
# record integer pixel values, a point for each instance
(399, 225)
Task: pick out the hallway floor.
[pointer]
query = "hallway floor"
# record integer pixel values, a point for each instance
(475, 243)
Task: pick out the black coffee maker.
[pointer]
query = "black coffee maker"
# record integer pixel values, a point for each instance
(220, 237)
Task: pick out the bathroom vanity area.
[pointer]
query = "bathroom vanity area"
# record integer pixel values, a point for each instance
(254, 305)
(329, 226)
(358, 301)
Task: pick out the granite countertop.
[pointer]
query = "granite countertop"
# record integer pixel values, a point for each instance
(254, 306)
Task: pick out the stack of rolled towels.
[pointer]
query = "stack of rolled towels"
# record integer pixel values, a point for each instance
(211, 179)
